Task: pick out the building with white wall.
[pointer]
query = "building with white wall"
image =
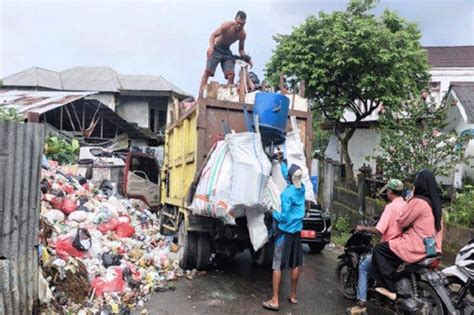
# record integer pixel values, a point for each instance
(450, 65)
(146, 100)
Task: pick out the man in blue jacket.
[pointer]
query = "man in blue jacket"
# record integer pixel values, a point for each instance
(288, 250)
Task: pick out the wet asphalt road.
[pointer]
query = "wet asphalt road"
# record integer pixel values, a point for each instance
(239, 288)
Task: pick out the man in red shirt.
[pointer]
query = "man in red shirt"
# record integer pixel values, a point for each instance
(388, 228)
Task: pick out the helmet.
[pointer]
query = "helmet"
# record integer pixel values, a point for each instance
(465, 259)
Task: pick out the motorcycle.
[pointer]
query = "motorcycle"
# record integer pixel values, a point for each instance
(461, 280)
(420, 288)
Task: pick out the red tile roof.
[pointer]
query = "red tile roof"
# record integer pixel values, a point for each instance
(450, 56)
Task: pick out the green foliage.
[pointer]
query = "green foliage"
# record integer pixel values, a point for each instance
(414, 139)
(61, 150)
(10, 114)
(462, 210)
(352, 61)
(342, 224)
(353, 55)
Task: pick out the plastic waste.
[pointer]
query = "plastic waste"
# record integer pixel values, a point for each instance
(124, 229)
(109, 259)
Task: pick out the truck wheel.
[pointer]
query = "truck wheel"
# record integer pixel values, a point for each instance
(203, 250)
(316, 248)
(264, 256)
(187, 242)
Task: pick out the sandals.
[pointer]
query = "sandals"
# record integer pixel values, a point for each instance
(268, 306)
(293, 301)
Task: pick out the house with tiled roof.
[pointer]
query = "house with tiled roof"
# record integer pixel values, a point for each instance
(452, 70)
(146, 100)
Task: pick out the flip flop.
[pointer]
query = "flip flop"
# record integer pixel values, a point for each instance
(270, 307)
(293, 301)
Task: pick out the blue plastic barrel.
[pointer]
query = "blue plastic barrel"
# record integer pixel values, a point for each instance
(272, 111)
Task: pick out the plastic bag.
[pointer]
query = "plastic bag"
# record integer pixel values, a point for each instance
(109, 226)
(295, 155)
(271, 198)
(258, 231)
(109, 259)
(112, 282)
(124, 229)
(78, 216)
(64, 248)
(54, 216)
(68, 206)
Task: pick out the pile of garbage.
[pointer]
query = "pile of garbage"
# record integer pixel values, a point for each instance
(99, 253)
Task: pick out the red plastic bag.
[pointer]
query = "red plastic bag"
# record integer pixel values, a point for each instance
(69, 206)
(109, 226)
(64, 248)
(57, 203)
(124, 229)
(112, 282)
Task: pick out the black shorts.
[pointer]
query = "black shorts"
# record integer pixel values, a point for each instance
(224, 57)
(288, 250)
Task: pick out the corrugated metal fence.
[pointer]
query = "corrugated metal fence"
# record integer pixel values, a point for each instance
(21, 148)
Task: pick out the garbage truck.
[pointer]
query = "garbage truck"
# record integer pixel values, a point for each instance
(188, 141)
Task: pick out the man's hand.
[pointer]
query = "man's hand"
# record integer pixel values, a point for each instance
(360, 228)
(279, 156)
(210, 51)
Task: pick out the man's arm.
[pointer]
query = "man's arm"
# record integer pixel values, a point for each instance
(243, 36)
(368, 229)
(218, 32)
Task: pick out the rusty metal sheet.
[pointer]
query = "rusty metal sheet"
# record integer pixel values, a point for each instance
(21, 148)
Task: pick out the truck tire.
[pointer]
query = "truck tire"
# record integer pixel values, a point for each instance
(203, 250)
(264, 256)
(187, 242)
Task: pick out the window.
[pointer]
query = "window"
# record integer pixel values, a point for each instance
(151, 118)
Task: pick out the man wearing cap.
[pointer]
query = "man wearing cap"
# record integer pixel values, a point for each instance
(288, 250)
(387, 228)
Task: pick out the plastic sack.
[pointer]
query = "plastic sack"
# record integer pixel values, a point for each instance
(294, 150)
(258, 231)
(213, 191)
(109, 259)
(109, 226)
(277, 176)
(271, 198)
(250, 170)
(124, 229)
(112, 282)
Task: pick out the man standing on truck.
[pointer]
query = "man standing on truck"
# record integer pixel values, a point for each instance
(288, 250)
(219, 49)
(387, 228)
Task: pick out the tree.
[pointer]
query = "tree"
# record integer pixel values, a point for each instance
(415, 139)
(352, 62)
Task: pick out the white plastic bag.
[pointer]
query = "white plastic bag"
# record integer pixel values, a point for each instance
(295, 155)
(251, 168)
(272, 196)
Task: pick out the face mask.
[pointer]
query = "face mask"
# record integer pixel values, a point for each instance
(296, 178)
(86, 244)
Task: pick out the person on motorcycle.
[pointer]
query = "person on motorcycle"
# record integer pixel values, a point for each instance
(421, 220)
(387, 228)
(288, 250)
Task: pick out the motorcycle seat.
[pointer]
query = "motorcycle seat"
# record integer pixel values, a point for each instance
(428, 261)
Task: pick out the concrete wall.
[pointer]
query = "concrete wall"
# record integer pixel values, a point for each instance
(448, 75)
(363, 144)
(105, 98)
(134, 110)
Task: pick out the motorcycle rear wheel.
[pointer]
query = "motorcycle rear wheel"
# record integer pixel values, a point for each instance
(346, 277)
(454, 287)
(426, 292)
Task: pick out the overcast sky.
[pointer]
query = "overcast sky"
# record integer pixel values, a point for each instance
(170, 38)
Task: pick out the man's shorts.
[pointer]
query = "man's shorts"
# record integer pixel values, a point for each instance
(225, 58)
(288, 250)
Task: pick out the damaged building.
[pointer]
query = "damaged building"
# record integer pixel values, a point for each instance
(144, 100)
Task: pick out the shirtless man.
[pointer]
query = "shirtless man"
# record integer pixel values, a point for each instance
(219, 49)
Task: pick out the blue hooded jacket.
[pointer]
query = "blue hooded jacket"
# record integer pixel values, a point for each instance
(290, 219)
